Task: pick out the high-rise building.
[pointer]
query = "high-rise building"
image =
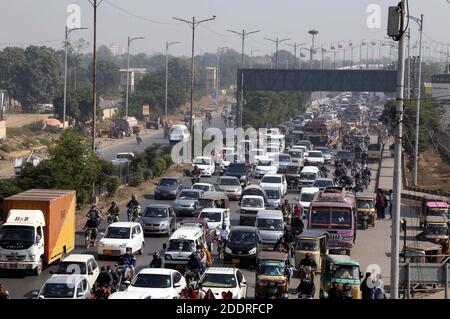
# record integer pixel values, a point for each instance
(116, 50)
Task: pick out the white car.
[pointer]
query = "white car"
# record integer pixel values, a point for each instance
(302, 148)
(80, 264)
(274, 180)
(118, 237)
(130, 295)
(314, 158)
(256, 154)
(65, 287)
(306, 196)
(122, 158)
(222, 280)
(206, 187)
(215, 217)
(205, 164)
(178, 133)
(265, 166)
(159, 283)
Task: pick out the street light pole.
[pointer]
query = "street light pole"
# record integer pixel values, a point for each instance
(219, 52)
(128, 71)
(313, 34)
(397, 180)
(295, 46)
(419, 95)
(193, 25)
(276, 41)
(408, 75)
(168, 44)
(66, 44)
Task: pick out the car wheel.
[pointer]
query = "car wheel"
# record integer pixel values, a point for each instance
(169, 231)
(156, 197)
(141, 251)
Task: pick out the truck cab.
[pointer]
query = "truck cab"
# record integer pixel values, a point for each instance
(22, 241)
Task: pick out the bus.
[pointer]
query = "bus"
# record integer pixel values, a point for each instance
(333, 210)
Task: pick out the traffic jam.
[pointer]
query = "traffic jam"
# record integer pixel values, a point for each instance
(275, 221)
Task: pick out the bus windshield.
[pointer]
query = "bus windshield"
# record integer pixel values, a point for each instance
(331, 218)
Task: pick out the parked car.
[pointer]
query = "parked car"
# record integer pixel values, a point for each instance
(168, 187)
(274, 180)
(79, 264)
(231, 186)
(57, 287)
(186, 201)
(222, 280)
(118, 237)
(242, 245)
(159, 283)
(158, 219)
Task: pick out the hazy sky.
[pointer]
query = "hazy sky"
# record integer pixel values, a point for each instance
(43, 21)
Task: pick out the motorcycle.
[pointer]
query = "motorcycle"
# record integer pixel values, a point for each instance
(195, 179)
(90, 235)
(139, 140)
(112, 219)
(220, 249)
(126, 273)
(134, 214)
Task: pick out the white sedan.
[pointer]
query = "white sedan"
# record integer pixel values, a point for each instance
(118, 237)
(215, 217)
(224, 280)
(265, 166)
(314, 158)
(159, 283)
(274, 180)
(205, 164)
(206, 187)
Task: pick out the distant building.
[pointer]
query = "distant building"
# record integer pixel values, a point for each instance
(440, 90)
(211, 79)
(116, 50)
(110, 108)
(136, 74)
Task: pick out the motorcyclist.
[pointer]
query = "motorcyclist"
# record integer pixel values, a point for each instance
(115, 277)
(113, 211)
(94, 217)
(297, 224)
(156, 261)
(138, 136)
(128, 261)
(366, 173)
(104, 278)
(335, 293)
(308, 261)
(195, 175)
(298, 210)
(193, 265)
(133, 204)
(306, 287)
(102, 292)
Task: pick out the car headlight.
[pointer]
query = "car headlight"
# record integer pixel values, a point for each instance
(124, 245)
(31, 256)
(168, 257)
(163, 224)
(228, 250)
(252, 251)
(243, 178)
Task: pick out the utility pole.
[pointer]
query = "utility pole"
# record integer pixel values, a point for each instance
(193, 25)
(219, 52)
(313, 34)
(323, 53)
(66, 44)
(360, 54)
(367, 57)
(397, 180)
(408, 72)
(276, 41)
(419, 96)
(128, 71)
(95, 4)
(295, 46)
(243, 35)
(168, 44)
(351, 54)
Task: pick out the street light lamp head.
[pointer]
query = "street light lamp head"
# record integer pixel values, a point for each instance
(313, 32)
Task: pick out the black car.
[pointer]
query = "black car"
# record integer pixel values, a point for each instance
(239, 170)
(346, 157)
(168, 187)
(242, 245)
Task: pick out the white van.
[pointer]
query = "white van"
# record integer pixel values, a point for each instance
(306, 196)
(181, 245)
(270, 226)
(178, 133)
(308, 175)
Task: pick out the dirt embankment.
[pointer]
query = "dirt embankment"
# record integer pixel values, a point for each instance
(433, 171)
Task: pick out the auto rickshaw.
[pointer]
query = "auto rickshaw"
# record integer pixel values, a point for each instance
(433, 208)
(436, 231)
(314, 242)
(365, 209)
(343, 270)
(273, 274)
(293, 171)
(422, 252)
(214, 200)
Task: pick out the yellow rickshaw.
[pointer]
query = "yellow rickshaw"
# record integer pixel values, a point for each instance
(365, 209)
(314, 242)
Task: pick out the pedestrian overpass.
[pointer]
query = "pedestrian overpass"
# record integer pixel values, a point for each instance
(342, 80)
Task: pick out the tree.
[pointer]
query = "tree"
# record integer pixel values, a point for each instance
(108, 77)
(79, 106)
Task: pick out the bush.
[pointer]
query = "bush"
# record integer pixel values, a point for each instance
(5, 148)
(137, 177)
(159, 167)
(28, 142)
(112, 185)
(168, 159)
(148, 174)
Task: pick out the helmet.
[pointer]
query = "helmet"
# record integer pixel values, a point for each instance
(224, 226)
(308, 255)
(133, 196)
(113, 203)
(103, 269)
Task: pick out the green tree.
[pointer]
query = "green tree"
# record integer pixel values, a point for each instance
(79, 106)
(108, 77)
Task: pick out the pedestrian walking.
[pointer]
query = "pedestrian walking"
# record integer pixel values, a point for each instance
(391, 202)
(380, 205)
(367, 287)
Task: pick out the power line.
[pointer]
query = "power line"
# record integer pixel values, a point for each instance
(138, 16)
(30, 43)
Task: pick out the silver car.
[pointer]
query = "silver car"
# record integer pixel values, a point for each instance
(158, 219)
(186, 202)
(231, 186)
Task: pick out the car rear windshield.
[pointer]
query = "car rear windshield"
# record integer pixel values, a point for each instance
(181, 245)
(242, 238)
(168, 182)
(58, 290)
(269, 224)
(271, 179)
(308, 176)
(211, 216)
(218, 281)
(264, 163)
(315, 154)
(118, 233)
(155, 212)
(201, 187)
(229, 182)
(151, 281)
(273, 193)
(67, 267)
(306, 197)
(252, 202)
(189, 195)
